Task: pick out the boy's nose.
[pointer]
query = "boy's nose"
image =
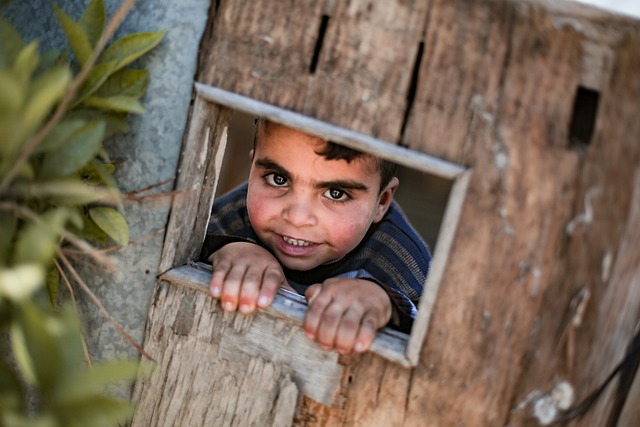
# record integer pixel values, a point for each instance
(299, 213)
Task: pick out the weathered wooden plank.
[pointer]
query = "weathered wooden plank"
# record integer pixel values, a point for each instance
(388, 343)
(267, 51)
(607, 254)
(518, 202)
(200, 162)
(459, 76)
(263, 49)
(364, 70)
(233, 339)
(191, 385)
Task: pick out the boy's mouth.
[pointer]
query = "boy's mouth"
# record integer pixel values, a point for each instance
(295, 247)
(296, 242)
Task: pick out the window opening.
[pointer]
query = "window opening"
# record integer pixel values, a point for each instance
(431, 194)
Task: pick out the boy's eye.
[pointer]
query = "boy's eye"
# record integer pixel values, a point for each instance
(336, 195)
(276, 180)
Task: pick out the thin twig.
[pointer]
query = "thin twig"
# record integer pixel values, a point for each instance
(142, 199)
(151, 187)
(30, 147)
(85, 349)
(117, 247)
(101, 307)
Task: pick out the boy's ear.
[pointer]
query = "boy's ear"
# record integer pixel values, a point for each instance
(385, 198)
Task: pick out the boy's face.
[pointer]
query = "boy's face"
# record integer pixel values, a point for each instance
(309, 210)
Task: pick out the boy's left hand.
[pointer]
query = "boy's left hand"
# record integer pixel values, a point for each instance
(345, 314)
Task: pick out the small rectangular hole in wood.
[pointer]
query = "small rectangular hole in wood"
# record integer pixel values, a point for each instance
(583, 118)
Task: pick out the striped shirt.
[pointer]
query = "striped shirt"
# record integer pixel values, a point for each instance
(392, 254)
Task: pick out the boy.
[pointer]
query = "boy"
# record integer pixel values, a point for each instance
(320, 219)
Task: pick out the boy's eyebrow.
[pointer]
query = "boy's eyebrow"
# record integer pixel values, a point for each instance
(267, 163)
(343, 185)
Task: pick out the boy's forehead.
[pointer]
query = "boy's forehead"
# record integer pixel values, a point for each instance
(284, 141)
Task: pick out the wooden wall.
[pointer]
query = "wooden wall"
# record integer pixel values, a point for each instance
(542, 286)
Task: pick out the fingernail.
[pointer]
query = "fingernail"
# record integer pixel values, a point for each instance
(245, 309)
(215, 292)
(359, 347)
(263, 301)
(228, 306)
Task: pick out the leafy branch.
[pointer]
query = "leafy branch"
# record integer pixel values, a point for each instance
(58, 197)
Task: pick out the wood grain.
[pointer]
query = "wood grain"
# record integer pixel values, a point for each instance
(200, 164)
(265, 51)
(541, 222)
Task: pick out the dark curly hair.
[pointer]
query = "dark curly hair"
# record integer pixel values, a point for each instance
(335, 151)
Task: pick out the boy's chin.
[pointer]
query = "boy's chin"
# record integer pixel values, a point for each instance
(299, 264)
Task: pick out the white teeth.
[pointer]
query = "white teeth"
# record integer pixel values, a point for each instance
(295, 242)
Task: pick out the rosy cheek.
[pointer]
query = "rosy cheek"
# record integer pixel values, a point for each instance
(348, 231)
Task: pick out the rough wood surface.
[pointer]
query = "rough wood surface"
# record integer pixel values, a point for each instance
(542, 225)
(182, 310)
(198, 173)
(269, 49)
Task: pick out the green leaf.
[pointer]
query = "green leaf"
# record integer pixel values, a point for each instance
(38, 241)
(66, 191)
(90, 231)
(39, 331)
(11, 393)
(11, 44)
(45, 92)
(82, 383)
(84, 144)
(8, 225)
(51, 58)
(94, 411)
(12, 93)
(26, 63)
(132, 83)
(19, 283)
(78, 39)
(122, 104)
(129, 48)
(97, 76)
(92, 21)
(60, 135)
(111, 222)
(21, 354)
(53, 285)
(116, 122)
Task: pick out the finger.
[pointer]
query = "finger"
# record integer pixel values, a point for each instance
(328, 326)
(366, 333)
(317, 303)
(271, 281)
(348, 331)
(231, 288)
(220, 270)
(312, 291)
(249, 289)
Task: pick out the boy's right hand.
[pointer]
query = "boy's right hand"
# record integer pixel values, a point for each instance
(245, 276)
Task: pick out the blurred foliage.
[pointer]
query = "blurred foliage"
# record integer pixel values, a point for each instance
(58, 193)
